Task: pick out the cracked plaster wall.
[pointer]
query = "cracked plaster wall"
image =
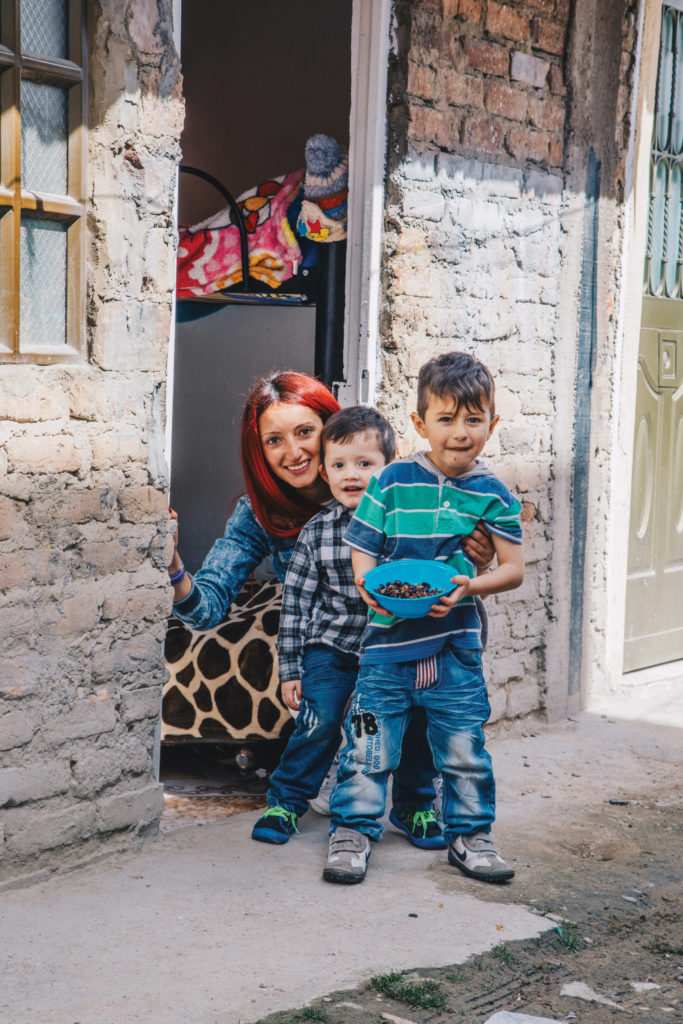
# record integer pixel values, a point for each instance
(83, 508)
(492, 109)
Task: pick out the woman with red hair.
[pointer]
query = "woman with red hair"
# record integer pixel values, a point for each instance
(281, 426)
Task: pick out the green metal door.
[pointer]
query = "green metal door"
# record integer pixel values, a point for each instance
(654, 593)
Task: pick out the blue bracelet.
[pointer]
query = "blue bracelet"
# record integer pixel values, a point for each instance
(176, 577)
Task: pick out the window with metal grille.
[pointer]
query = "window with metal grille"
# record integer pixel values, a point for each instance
(42, 180)
(665, 228)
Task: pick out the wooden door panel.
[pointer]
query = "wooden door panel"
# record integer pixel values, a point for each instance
(654, 587)
(672, 511)
(644, 496)
(654, 594)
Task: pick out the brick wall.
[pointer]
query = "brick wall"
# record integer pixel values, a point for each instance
(484, 79)
(472, 260)
(83, 510)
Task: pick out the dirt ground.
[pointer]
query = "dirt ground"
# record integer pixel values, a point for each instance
(202, 924)
(612, 884)
(600, 859)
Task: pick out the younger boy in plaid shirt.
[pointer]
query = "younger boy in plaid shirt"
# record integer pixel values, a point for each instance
(322, 621)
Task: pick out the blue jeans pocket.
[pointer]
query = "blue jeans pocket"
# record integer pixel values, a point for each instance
(462, 677)
(468, 657)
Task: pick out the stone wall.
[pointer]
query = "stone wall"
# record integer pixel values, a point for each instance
(83, 509)
(472, 260)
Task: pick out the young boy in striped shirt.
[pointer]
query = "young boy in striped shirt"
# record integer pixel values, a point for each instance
(423, 507)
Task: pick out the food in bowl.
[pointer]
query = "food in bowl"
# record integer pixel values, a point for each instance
(398, 588)
(413, 573)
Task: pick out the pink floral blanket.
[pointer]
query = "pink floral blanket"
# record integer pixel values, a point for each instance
(209, 253)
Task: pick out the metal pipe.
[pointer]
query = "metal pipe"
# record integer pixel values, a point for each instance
(329, 316)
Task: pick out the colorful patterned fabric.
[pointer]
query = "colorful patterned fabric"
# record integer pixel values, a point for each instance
(411, 510)
(316, 225)
(209, 257)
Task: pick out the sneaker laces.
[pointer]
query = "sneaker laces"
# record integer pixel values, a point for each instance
(282, 812)
(423, 819)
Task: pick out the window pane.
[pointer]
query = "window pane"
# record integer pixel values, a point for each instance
(677, 98)
(44, 132)
(44, 27)
(657, 215)
(43, 283)
(665, 79)
(6, 283)
(673, 231)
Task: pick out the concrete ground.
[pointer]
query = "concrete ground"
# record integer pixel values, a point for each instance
(205, 925)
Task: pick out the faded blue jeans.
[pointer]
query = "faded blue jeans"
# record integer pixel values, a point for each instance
(327, 682)
(457, 708)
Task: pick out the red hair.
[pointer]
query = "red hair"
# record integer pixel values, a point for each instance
(279, 508)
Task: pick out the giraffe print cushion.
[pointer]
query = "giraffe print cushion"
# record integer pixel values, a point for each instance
(223, 683)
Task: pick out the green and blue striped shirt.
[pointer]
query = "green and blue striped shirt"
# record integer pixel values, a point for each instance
(411, 510)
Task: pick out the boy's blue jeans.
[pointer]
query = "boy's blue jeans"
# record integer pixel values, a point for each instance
(456, 706)
(328, 680)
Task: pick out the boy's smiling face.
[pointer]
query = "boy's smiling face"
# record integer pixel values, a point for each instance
(348, 466)
(457, 434)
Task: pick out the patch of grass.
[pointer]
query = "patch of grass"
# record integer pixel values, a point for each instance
(544, 908)
(454, 976)
(478, 962)
(569, 937)
(314, 1013)
(503, 954)
(425, 995)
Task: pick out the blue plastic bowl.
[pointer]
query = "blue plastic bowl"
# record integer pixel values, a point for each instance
(410, 570)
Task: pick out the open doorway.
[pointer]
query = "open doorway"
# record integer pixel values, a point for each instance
(258, 83)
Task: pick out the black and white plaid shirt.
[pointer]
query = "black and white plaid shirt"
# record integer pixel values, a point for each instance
(320, 602)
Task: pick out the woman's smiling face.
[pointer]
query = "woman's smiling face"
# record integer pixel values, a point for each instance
(290, 435)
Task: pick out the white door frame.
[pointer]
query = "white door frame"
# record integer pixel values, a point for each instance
(170, 357)
(370, 48)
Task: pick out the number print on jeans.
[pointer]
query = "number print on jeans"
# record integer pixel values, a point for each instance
(365, 722)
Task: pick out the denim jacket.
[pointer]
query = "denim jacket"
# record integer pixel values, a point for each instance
(229, 564)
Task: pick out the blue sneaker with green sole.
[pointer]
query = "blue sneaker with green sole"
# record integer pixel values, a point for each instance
(422, 828)
(275, 826)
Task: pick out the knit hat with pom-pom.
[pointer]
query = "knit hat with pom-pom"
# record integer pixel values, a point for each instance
(323, 211)
(327, 175)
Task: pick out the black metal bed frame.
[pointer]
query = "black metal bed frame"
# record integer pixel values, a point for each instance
(322, 286)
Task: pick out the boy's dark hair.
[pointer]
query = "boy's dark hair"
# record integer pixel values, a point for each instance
(459, 376)
(356, 419)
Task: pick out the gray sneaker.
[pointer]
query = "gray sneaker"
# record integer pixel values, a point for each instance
(347, 858)
(477, 856)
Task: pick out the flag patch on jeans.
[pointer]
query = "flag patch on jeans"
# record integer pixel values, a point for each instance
(426, 672)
